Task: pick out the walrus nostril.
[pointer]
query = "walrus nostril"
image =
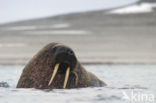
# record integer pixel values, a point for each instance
(70, 52)
(67, 51)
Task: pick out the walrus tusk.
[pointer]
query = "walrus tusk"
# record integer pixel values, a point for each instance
(54, 73)
(66, 77)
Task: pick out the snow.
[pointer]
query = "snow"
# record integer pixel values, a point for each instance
(142, 8)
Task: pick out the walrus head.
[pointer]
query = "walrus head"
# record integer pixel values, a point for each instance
(52, 67)
(56, 67)
(64, 62)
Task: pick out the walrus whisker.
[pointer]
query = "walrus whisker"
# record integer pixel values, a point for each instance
(66, 77)
(54, 73)
(77, 78)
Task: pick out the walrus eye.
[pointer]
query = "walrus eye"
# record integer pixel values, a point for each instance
(54, 74)
(54, 49)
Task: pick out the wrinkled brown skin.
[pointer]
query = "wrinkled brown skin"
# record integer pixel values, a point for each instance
(38, 71)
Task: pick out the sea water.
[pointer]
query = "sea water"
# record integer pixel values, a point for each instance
(125, 84)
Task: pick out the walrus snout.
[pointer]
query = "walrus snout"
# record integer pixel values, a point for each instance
(65, 55)
(64, 61)
(64, 50)
(64, 58)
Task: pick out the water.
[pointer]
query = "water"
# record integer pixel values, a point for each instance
(122, 80)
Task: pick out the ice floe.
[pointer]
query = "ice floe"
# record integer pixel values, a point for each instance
(136, 8)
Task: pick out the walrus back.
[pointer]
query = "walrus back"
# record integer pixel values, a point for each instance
(26, 79)
(95, 81)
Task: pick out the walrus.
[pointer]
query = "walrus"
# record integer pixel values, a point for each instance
(56, 67)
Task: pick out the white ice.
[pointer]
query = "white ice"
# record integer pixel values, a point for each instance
(142, 8)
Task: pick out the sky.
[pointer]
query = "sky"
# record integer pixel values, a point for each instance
(16, 10)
